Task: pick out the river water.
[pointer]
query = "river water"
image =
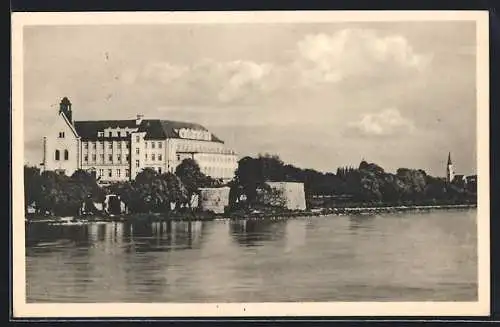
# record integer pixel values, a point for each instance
(396, 257)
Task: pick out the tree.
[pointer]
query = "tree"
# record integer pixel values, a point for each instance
(32, 186)
(175, 190)
(192, 178)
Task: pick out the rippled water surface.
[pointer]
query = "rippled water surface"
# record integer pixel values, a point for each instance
(407, 257)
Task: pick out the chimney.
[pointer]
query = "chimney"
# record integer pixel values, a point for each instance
(138, 120)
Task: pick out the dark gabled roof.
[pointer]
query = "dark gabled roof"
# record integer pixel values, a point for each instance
(161, 129)
(88, 129)
(154, 128)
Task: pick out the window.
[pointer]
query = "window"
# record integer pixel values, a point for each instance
(118, 158)
(127, 157)
(153, 157)
(102, 157)
(119, 145)
(146, 144)
(146, 157)
(109, 135)
(110, 145)
(57, 155)
(159, 145)
(137, 151)
(127, 145)
(93, 145)
(110, 173)
(100, 134)
(118, 172)
(110, 157)
(127, 173)
(159, 170)
(178, 157)
(119, 134)
(101, 172)
(66, 155)
(61, 135)
(153, 145)
(93, 157)
(86, 158)
(159, 157)
(137, 163)
(85, 145)
(137, 139)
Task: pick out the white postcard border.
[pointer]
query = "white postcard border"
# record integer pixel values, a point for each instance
(38, 310)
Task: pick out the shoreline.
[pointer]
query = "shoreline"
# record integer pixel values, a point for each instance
(207, 216)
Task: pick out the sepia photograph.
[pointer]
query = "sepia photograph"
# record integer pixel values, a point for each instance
(250, 164)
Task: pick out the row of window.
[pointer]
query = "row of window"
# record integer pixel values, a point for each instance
(153, 157)
(153, 144)
(193, 147)
(57, 155)
(101, 157)
(94, 145)
(225, 159)
(113, 134)
(109, 173)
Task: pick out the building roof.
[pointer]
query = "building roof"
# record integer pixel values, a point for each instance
(154, 128)
(88, 129)
(161, 129)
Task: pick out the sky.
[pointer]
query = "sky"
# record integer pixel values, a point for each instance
(319, 95)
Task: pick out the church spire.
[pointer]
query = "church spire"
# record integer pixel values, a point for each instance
(450, 173)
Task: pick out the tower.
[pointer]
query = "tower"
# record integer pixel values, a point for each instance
(65, 108)
(450, 173)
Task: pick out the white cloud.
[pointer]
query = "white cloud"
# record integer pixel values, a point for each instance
(355, 53)
(388, 122)
(221, 81)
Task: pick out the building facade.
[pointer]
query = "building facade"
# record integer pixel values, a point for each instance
(117, 150)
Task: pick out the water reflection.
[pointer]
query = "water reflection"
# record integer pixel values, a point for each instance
(136, 237)
(426, 257)
(359, 223)
(252, 232)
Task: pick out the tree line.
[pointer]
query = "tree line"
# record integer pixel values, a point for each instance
(56, 194)
(367, 183)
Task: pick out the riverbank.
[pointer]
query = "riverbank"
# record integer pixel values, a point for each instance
(271, 214)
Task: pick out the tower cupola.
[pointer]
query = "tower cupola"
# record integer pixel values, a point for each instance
(65, 108)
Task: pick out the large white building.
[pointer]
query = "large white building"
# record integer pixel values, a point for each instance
(117, 150)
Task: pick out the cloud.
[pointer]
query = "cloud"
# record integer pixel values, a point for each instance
(355, 53)
(223, 82)
(349, 55)
(388, 122)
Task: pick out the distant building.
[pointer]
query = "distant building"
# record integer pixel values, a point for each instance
(469, 182)
(117, 150)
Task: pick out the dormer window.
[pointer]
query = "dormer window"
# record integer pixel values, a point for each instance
(100, 134)
(61, 135)
(110, 134)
